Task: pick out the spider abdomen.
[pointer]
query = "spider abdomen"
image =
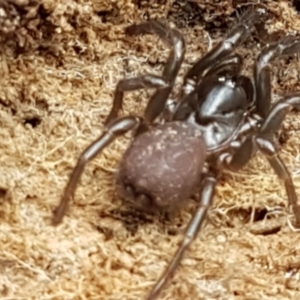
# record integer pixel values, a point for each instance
(162, 166)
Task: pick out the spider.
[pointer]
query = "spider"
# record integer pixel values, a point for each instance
(221, 119)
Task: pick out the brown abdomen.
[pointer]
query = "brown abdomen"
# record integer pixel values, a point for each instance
(162, 167)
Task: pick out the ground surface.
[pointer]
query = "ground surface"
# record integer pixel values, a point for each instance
(60, 62)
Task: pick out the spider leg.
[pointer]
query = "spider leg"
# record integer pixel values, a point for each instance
(247, 85)
(172, 37)
(273, 118)
(268, 148)
(236, 36)
(206, 196)
(277, 114)
(164, 83)
(242, 155)
(262, 76)
(265, 142)
(131, 84)
(115, 129)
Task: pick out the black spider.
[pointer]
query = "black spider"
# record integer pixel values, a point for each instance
(220, 121)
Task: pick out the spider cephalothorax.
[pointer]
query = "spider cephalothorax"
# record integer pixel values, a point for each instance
(221, 119)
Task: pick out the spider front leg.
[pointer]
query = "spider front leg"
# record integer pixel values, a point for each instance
(221, 51)
(262, 76)
(265, 142)
(206, 196)
(115, 129)
(274, 118)
(164, 84)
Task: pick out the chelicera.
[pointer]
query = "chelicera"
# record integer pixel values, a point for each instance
(219, 122)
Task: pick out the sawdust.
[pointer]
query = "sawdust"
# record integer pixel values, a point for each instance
(60, 62)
